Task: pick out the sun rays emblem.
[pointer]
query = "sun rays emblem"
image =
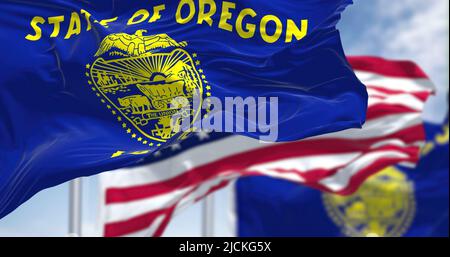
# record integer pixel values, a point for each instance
(149, 84)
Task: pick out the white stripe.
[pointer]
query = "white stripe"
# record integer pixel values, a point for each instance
(207, 153)
(177, 165)
(394, 83)
(374, 91)
(409, 101)
(202, 189)
(341, 179)
(408, 164)
(291, 176)
(124, 211)
(149, 231)
(305, 164)
(379, 127)
(392, 141)
(337, 182)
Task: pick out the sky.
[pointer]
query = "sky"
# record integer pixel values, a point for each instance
(408, 29)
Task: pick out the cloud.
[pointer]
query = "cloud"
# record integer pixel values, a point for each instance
(413, 29)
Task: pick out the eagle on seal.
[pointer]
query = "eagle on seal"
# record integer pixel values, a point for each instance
(136, 44)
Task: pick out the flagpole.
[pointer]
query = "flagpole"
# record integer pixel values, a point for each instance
(75, 207)
(208, 216)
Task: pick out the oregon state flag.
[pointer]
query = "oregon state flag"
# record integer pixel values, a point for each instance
(397, 201)
(90, 86)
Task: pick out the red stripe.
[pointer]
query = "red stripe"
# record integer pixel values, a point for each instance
(122, 228)
(144, 221)
(222, 184)
(380, 110)
(393, 68)
(357, 179)
(137, 223)
(319, 174)
(422, 96)
(243, 160)
(160, 230)
(361, 176)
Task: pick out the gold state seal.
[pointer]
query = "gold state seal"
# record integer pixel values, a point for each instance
(148, 83)
(383, 206)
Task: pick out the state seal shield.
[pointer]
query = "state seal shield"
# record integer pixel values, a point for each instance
(383, 206)
(148, 82)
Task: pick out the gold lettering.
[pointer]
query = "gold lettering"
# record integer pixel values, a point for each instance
(293, 31)
(105, 22)
(206, 16)
(191, 6)
(37, 30)
(56, 22)
(226, 15)
(138, 17)
(157, 12)
(74, 26)
(278, 30)
(249, 31)
(87, 16)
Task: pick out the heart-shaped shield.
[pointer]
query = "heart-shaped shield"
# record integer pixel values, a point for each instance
(150, 84)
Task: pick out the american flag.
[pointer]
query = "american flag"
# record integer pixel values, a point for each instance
(141, 201)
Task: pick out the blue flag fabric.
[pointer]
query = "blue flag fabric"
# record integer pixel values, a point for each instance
(397, 201)
(85, 86)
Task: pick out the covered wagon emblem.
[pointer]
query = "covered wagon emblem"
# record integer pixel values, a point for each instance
(148, 82)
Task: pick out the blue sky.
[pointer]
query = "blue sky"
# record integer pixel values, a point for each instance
(409, 29)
